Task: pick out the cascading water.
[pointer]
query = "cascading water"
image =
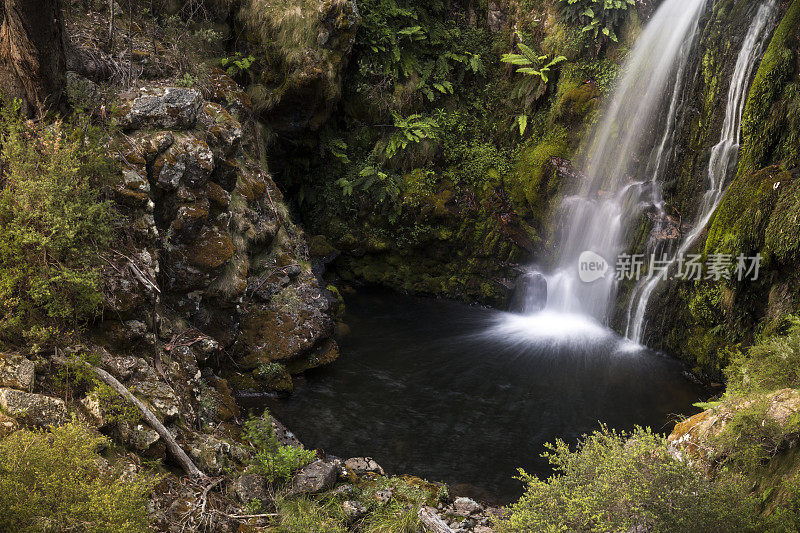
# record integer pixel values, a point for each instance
(723, 158)
(598, 217)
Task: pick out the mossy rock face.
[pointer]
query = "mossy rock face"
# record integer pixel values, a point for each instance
(742, 218)
(303, 47)
(291, 325)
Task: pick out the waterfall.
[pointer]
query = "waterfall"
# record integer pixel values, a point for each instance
(723, 158)
(597, 218)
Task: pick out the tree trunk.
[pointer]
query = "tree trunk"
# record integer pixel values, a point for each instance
(32, 61)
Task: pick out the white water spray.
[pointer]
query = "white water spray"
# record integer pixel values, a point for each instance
(598, 217)
(723, 158)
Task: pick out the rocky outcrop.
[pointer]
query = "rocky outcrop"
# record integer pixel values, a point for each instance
(210, 247)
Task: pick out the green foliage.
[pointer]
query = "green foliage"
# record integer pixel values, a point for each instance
(114, 407)
(414, 41)
(56, 481)
(773, 363)
(617, 481)
(410, 130)
(54, 225)
(277, 463)
(187, 80)
(751, 437)
(400, 513)
(597, 17)
(237, 64)
(530, 63)
(304, 515)
(267, 371)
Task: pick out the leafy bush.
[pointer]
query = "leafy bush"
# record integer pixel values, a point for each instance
(617, 481)
(272, 460)
(751, 437)
(773, 363)
(598, 17)
(54, 224)
(56, 481)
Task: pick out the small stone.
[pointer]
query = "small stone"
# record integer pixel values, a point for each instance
(384, 495)
(142, 438)
(466, 505)
(342, 491)
(7, 425)
(354, 510)
(364, 465)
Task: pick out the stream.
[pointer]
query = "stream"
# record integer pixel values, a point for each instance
(466, 395)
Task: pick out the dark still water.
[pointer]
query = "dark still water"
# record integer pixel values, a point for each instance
(466, 395)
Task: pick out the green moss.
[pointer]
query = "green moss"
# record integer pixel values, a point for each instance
(761, 129)
(741, 220)
(527, 187)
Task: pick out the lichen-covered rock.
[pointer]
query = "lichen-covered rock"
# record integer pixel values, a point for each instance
(213, 455)
(249, 487)
(159, 395)
(33, 409)
(164, 108)
(316, 477)
(142, 439)
(364, 465)
(225, 130)
(16, 372)
(294, 322)
(212, 244)
(188, 161)
(693, 438)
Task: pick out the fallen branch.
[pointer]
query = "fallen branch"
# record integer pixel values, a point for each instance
(432, 522)
(174, 448)
(248, 516)
(177, 452)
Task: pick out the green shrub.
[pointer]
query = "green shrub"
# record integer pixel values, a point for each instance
(773, 363)
(617, 481)
(752, 437)
(56, 481)
(272, 460)
(54, 225)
